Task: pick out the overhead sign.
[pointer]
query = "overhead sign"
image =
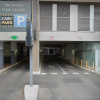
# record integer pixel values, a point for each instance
(13, 15)
(12, 36)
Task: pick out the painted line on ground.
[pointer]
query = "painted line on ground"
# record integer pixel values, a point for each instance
(43, 73)
(75, 73)
(64, 73)
(59, 67)
(53, 73)
(85, 73)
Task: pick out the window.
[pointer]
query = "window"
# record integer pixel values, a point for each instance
(83, 17)
(63, 17)
(45, 17)
(96, 17)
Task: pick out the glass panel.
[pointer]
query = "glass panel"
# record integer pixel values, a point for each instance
(63, 10)
(84, 46)
(99, 60)
(83, 10)
(84, 24)
(89, 57)
(92, 57)
(46, 10)
(80, 56)
(63, 24)
(84, 57)
(46, 24)
(88, 45)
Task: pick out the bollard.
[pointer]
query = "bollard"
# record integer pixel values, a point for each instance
(77, 61)
(81, 63)
(86, 64)
(73, 60)
(93, 66)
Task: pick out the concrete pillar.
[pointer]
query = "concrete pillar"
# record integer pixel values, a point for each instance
(13, 52)
(73, 17)
(36, 44)
(91, 18)
(1, 56)
(54, 17)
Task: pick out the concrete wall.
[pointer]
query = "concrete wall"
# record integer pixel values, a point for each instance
(69, 51)
(62, 51)
(69, 36)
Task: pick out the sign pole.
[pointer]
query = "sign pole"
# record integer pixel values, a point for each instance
(31, 67)
(34, 14)
(29, 43)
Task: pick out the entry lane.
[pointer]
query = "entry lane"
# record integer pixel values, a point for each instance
(67, 86)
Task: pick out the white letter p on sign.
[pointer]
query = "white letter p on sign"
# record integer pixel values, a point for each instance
(20, 19)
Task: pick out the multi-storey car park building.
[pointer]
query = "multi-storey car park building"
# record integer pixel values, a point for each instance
(68, 28)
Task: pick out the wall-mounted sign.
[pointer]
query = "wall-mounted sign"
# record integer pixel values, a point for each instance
(13, 15)
(20, 20)
(10, 20)
(7, 20)
(14, 37)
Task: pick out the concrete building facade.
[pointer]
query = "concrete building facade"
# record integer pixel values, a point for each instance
(71, 25)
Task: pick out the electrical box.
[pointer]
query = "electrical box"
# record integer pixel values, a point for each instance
(29, 33)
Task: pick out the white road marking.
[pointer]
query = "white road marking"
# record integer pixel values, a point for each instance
(86, 73)
(64, 73)
(59, 67)
(53, 73)
(43, 73)
(75, 73)
(70, 66)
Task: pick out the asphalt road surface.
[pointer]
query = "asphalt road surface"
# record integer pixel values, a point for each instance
(59, 80)
(12, 82)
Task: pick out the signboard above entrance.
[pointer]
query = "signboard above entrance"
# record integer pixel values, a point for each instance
(13, 15)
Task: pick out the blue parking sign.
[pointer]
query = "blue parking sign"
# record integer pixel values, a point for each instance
(20, 20)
